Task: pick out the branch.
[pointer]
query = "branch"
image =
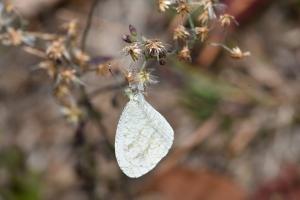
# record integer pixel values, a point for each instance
(88, 23)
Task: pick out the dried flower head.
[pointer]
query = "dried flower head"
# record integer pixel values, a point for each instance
(72, 28)
(163, 5)
(13, 37)
(226, 20)
(133, 50)
(209, 7)
(81, 57)
(68, 75)
(61, 91)
(185, 54)
(155, 49)
(180, 32)
(72, 113)
(203, 17)
(202, 33)
(237, 53)
(103, 69)
(183, 7)
(130, 77)
(56, 50)
(50, 68)
(145, 77)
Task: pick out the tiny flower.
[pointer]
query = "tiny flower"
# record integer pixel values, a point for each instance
(132, 30)
(182, 7)
(68, 75)
(56, 50)
(145, 77)
(225, 20)
(13, 37)
(202, 33)
(81, 57)
(209, 7)
(72, 28)
(237, 53)
(103, 69)
(130, 78)
(50, 68)
(72, 113)
(185, 54)
(203, 17)
(155, 49)
(180, 33)
(163, 5)
(133, 50)
(61, 91)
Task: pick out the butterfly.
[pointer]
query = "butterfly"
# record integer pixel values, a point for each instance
(143, 137)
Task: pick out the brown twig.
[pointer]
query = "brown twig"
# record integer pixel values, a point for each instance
(88, 24)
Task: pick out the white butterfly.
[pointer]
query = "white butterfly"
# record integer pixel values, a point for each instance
(143, 137)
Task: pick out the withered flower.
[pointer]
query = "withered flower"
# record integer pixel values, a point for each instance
(13, 37)
(145, 77)
(203, 17)
(57, 49)
(68, 75)
(202, 33)
(133, 50)
(81, 57)
(103, 69)
(226, 20)
(180, 32)
(155, 49)
(50, 68)
(71, 27)
(62, 90)
(237, 53)
(185, 54)
(163, 5)
(130, 77)
(72, 113)
(182, 7)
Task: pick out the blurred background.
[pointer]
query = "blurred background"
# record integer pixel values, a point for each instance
(236, 122)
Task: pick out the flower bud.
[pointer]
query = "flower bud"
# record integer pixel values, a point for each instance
(126, 38)
(132, 30)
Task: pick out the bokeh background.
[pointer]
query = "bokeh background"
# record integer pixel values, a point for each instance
(236, 122)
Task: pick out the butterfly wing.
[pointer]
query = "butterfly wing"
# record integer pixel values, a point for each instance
(143, 138)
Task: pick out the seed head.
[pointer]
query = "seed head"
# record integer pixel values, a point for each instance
(203, 17)
(226, 20)
(72, 28)
(56, 50)
(155, 49)
(163, 5)
(13, 37)
(72, 113)
(237, 53)
(50, 68)
(81, 57)
(133, 50)
(180, 32)
(62, 90)
(68, 75)
(145, 77)
(185, 54)
(103, 69)
(202, 33)
(182, 7)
